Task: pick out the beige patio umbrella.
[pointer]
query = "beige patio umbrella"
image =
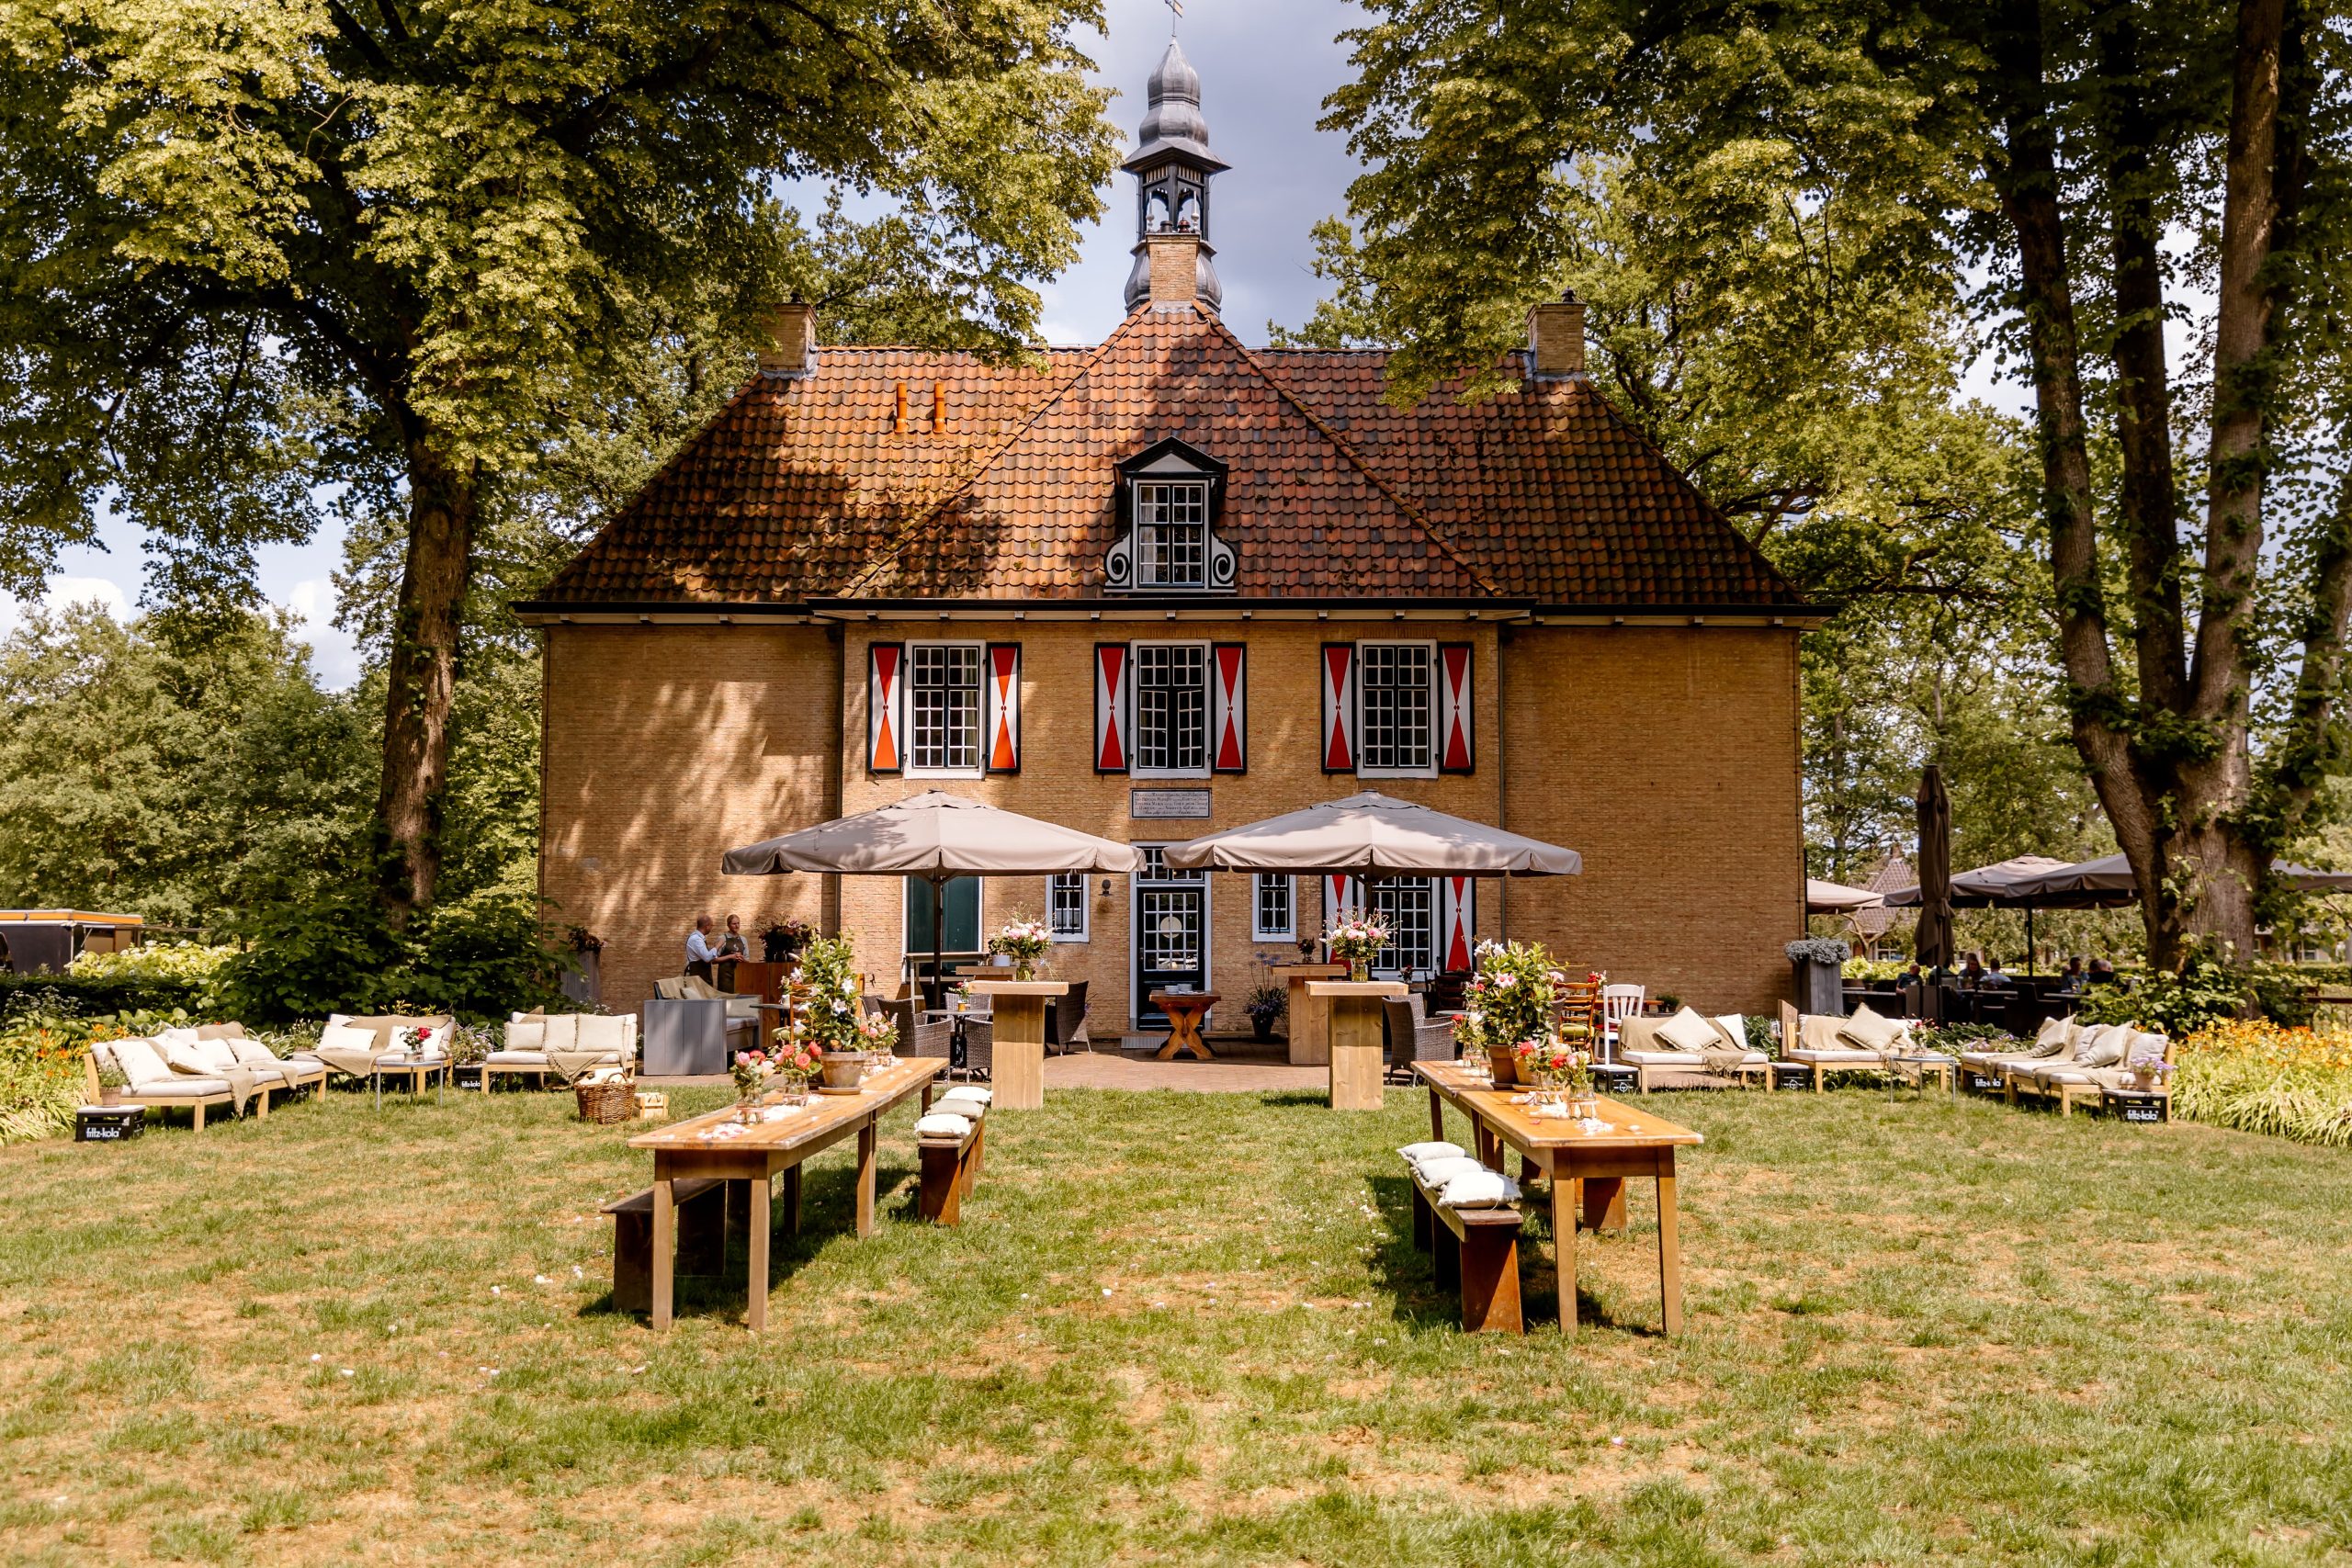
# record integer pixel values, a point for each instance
(936, 835)
(1377, 833)
(1830, 899)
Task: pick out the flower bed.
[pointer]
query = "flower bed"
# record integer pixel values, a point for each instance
(2259, 1077)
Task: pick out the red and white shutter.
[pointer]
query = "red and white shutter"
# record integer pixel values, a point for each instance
(886, 716)
(1341, 892)
(1004, 707)
(1339, 707)
(1228, 707)
(1110, 708)
(1457, 922)
(1455, 752)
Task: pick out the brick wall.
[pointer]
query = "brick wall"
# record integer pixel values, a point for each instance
(1667, 757)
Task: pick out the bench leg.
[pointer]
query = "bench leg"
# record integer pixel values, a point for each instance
(632, 1261)
(1424, 1223)
(792, 1202)
(1563, 1247)
(1445, 1258)
(972, 1163)
(1669, 1255)
(866, 1180)
(665, 1242)
(1490, 1279)
(942, 1198)
(1436, 1118)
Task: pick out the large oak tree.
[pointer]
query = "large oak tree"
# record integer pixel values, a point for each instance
(254, 248)
(2079, 175)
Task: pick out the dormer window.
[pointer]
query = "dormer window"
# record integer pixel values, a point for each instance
(1170, 496)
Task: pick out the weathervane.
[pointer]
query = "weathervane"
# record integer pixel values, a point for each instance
(1175, 9)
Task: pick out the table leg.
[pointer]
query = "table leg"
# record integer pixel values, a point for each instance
(1166, 1052)
(1563, 1248)
(755, 1316)
(665, 1249)
(866, 1180)
(792, 1202)
(1604, 1203)
(1436, 1118)
(1669, 1247)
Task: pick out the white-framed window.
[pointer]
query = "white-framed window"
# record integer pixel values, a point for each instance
(1066, 906)
(1410, 904)
(1272, 916)
(1172, 534)
(1397, 708)
(1171, 709)
(1151, 865)
(943, 708)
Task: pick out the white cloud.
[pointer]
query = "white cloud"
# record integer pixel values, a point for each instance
(108, 595)
(333, 653)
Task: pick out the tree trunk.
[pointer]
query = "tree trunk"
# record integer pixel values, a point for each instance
(421, 675)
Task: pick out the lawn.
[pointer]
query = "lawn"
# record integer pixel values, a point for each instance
(1186, 1329)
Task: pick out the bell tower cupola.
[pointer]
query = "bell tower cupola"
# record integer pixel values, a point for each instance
(1172, 167)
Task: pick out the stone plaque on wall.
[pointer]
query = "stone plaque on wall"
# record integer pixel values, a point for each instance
(1169, 804)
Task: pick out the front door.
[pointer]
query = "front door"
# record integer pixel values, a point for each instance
(1171, 935)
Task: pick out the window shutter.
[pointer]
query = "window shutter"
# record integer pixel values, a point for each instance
(1451, 743)
(1110, 708)
(1341, 892)
(1003, 674)
(1457, 922)
(1339, 707)
(1228, 707)
(886, 714)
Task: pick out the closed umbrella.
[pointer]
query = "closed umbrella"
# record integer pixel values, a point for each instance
(935, 835)
(1931, 945)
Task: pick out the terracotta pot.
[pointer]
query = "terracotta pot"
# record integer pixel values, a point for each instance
(109, 1096)
(1503, 1065)
(846, 1069)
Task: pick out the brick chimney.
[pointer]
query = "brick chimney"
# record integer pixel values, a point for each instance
(1175, 269)
(791, 351)
(1556, 339)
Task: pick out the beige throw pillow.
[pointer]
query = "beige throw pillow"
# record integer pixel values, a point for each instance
(1688, 1030)
(2109, 1049)
(140, 1060)
(600, 1032)
(2056, 1036)
(562, 1031)
(251, 1052)
(1866, 1030)
(531, 1035)
(346, 1037)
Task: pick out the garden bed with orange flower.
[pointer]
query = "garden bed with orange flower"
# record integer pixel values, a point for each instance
(2258, 1076)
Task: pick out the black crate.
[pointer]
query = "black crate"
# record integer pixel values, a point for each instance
(1970, 1078)
(468, 1076)
(1792, 1075)
(2139, 1105)
(1615, 1077)
(108, 1123)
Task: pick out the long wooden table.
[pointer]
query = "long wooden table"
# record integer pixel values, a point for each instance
(1592, 1166)
(757, 1154)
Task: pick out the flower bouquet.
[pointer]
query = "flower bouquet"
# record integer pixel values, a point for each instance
(1024, 941)
(1508, 1001)
(825, 990)
(1356, 939)
(1561, 1073)
(796, 1060)
(750, 1070)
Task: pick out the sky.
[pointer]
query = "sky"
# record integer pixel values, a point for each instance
(1264, 72)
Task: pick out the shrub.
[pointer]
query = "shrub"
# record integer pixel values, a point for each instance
(2258, 1076)
(480, 957)
(154, 978)
(2202, 992)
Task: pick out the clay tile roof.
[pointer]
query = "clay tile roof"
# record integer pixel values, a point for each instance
(803, 489)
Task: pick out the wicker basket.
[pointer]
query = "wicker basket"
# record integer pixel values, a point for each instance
(606, 1104)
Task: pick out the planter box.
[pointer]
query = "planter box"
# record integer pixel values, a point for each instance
(1820, 989)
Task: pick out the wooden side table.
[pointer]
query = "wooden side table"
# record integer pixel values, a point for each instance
(1018, 1034)
(1185, 1011)
(1356, 1019)
(1310, 1017)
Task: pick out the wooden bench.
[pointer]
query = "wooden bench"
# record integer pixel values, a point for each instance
(1475, 1252)
(950, 1167)
(702, 1239)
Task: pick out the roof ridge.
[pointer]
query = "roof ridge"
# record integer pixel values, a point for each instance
(931, 510)
(1396, 498)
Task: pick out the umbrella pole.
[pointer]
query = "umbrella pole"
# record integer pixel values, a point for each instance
(938, 995)
(2029, 942)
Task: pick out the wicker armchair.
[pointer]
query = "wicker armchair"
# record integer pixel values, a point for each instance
(1066, 1022)
(919, 1039)
(1412, 1038)
(979, 1047)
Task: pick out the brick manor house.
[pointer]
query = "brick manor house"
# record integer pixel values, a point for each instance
(1163, 585)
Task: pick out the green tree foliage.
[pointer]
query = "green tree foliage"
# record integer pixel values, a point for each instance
(188, 785)
(254, 246)
(1866, 184)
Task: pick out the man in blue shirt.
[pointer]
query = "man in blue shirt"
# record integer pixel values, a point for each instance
(700, 954)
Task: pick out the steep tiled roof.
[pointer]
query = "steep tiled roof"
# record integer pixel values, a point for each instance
(812, 488)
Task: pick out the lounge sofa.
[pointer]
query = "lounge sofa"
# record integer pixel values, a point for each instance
(2093, 1062)
(531, 1036)
(1828, 1044)
(179, 1071)
(1654, 1046)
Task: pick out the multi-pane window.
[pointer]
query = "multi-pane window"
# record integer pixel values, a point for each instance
(1171, 535)
(1066, 906)
(1172, 697)
(1395, 680)
(1410, 904)
(1151, 865)
(1270, 908)
(944, 689)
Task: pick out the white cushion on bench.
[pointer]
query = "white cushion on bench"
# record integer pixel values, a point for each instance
(1438, 1172)
(975, 1091)
(943, 1125)
(1480, 1189)
(1416, 1153)
(961, 1104)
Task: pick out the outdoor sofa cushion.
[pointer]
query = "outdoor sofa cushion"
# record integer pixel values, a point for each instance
(943, 1125)
(602, 1031)
(219, 1032)
(528, 1034)
(517, 1058)
(1688, 1030)
(1734, 1029)
(1479, 1188)
(251, 1052)
(214, 1054)
(346, 1037)
(179, 1089)
(2055, 1037)
(2110, 1049)
(1834, 1055)
(1867, 1031)
(140, 1062)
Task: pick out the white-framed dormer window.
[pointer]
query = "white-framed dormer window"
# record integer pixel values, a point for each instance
(1272, 916)
(1171, 709)
(1066, 906)
(942, 709)
(1397, 704)
(1172, 534)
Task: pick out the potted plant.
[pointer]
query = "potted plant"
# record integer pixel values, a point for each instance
(780, 938)
(469, 1044)
(1023, 942)
(845, 1039)
(1265, 1005)
(1356, 939)
(2149, 1067)
(1509, 1000)
(112, 1081)
(1820, 962)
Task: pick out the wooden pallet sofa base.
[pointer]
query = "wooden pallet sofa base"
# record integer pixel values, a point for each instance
(1474, 1252)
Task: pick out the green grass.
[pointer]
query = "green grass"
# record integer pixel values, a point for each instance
(1185, 1329)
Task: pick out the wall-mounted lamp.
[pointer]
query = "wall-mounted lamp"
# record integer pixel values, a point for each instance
(1106, 887)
